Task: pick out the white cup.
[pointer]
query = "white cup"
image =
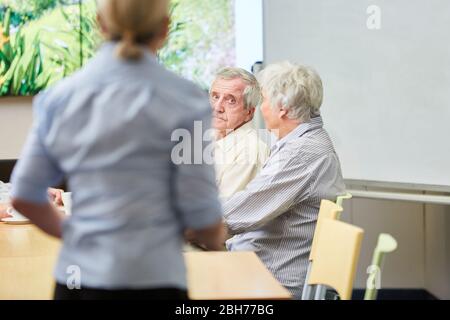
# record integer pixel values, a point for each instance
(67, 201)
(4, 197)
(15, 215)
(5, 187)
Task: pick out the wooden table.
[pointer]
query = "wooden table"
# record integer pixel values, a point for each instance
(230, 275)
(27, 258)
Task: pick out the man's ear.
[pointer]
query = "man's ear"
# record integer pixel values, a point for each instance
(250, 114)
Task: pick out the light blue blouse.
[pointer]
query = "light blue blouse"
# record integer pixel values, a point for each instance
(108, 129)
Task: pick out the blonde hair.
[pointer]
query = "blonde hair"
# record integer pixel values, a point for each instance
(133, 23)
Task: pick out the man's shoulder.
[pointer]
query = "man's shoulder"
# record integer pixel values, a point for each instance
(260, 144)
(251, 139)
(243, 146)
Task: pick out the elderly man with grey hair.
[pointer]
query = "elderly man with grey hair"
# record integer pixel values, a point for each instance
(238, 152)
(275, 216)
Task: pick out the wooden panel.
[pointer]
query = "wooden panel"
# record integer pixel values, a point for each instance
(6, 168)
(15, 121)
(404, 221)
(437, 248)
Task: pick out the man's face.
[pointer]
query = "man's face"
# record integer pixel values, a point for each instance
(227, 101)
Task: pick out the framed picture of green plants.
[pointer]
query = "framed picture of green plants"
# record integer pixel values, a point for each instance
(43, 41)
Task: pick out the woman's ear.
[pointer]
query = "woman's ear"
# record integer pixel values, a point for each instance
(282, 113)
(163, 33)
(101, 24)
(282, 105)
(165, 27)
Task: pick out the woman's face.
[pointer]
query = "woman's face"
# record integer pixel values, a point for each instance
(270, 114)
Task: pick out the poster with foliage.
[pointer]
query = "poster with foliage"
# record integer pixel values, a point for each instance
(43, 41)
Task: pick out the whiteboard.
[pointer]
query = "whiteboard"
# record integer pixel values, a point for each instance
(387, 90)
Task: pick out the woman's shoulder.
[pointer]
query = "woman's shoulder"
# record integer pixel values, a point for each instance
(54, 95)
(180, 93)
(170, 82)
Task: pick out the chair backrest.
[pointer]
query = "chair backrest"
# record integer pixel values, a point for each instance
(6, 168)
(386, 244)
(340, 199)
(328, 210)
(339, 245)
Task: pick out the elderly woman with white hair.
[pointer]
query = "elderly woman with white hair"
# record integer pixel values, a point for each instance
(275, 216)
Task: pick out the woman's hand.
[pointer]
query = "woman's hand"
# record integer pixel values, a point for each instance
(44, 215)
(210, 238)
(56, 196)
(3, 213)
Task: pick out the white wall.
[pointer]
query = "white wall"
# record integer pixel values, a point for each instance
(249, 32)
(379, 85)
(15, 121)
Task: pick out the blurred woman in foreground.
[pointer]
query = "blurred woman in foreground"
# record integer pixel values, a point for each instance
(108, 129)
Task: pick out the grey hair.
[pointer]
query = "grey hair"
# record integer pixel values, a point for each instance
(293, 87)
(252, 93)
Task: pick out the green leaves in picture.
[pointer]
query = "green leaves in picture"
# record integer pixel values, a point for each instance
(201, 39)
(43, 41)
(40, 47)
(175, 50)
(20, 65)
(91, 36)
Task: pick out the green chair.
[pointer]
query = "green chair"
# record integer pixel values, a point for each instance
(340, 200)
(386, 243)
